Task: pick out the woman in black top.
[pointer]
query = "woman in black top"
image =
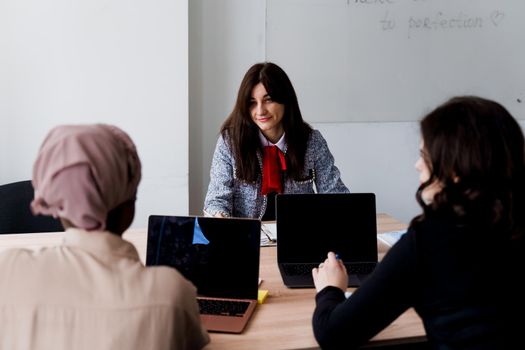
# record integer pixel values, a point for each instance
(461, 261)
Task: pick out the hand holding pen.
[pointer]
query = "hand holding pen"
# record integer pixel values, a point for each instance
(331, 272)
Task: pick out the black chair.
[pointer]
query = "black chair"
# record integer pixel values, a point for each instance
(15, 212)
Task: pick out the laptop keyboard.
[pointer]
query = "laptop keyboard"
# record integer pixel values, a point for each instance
(306, 269)
(223, 307)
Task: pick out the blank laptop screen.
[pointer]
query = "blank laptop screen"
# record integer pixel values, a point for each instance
(311, 225)
(219, 255)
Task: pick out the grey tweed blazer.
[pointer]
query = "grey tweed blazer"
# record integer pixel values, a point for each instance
(234, 197)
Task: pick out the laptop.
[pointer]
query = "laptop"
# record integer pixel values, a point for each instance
(311, 225)
(220, 256)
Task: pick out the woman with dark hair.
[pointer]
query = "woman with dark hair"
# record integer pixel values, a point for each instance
(265, 148)
(460, 262)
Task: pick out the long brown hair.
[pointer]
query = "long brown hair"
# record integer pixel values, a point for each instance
(242, 132)
(475, 150)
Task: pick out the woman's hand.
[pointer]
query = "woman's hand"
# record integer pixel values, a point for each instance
(331, 272)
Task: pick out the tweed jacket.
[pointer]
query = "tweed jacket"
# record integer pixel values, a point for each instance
(235, 197)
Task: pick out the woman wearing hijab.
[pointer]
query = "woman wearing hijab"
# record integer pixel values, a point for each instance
(266, 148)
(92, 292)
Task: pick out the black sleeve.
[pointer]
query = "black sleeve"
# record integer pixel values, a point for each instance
(385, 295)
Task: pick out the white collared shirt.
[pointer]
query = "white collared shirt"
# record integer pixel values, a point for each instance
(93, 292)
(281, 144)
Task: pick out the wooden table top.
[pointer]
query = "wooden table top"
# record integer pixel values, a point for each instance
(284, 320)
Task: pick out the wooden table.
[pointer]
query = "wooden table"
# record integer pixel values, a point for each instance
(284, 320)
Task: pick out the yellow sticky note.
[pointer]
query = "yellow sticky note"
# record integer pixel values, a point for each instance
(261, 296)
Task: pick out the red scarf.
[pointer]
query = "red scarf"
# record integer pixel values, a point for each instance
(273, 165)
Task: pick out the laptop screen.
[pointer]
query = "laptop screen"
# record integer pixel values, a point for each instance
(219, 255)
(311, 225)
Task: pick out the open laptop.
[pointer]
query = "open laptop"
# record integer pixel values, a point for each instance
(311, 225)
(220, 256)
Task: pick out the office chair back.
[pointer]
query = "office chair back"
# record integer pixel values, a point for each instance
(15, 212)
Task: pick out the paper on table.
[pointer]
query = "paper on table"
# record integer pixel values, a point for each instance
(391, 237)
(268, 234)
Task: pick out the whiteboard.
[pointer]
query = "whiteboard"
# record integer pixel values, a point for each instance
(395, 60)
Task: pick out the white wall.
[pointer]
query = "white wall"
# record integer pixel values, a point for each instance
(123, 62)
(379, 158)
(226, 38)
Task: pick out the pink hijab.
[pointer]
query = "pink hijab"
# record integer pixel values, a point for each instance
(84, 171)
